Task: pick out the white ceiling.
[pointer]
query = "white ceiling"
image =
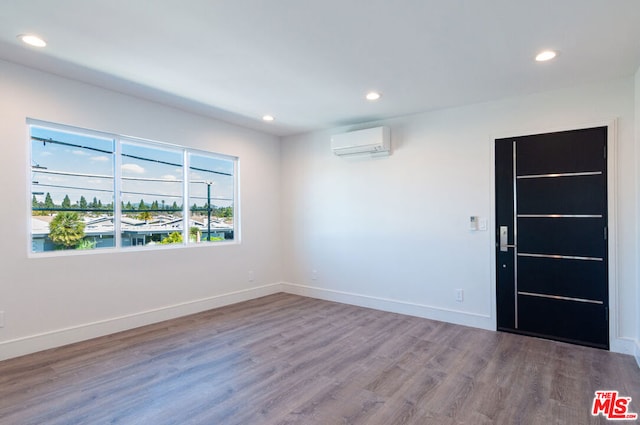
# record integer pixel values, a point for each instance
(310, 63)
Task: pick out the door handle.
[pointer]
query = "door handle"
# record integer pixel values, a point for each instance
(504, 239)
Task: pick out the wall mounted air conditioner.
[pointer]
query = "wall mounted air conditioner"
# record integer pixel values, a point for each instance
(370, 140)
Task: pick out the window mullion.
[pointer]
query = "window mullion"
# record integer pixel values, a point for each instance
(117, 196)
(185, 196)
(236, 200)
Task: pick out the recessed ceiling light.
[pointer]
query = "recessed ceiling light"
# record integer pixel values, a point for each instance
(545, 55)
(372, 95)
(267, 118)
(32, 40)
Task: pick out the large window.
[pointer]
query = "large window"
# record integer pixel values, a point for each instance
(93, 190)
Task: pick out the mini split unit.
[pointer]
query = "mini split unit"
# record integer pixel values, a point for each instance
(370, 140)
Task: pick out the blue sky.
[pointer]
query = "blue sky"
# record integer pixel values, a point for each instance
(151, 173)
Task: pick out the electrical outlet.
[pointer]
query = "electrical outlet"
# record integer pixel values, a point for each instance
(1, 319)
(250, 276)
(314, 274)
(459, 295)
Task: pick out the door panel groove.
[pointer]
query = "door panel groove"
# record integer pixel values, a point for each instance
(553, 175)
(559, 257)
(559, 297)
(559, 216)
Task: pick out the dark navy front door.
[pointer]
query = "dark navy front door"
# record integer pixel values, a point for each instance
(551, 236)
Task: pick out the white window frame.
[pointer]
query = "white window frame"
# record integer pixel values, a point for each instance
(117, 188)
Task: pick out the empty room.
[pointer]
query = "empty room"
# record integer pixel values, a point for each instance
(336, 212)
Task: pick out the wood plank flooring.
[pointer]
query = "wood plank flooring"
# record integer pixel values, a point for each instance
(285, 359)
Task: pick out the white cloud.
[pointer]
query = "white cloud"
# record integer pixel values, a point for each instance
(79, 152)
(133, 168)
(169, 177)
(99, 158)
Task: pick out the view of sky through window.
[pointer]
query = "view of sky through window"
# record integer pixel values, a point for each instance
(67, 164)
(74, 181)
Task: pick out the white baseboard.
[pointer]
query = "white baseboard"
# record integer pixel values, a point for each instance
(33, 343)
(395, 306)
(622, 345)
(617, 345)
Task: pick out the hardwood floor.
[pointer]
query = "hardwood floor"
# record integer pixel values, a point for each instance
(285, 359)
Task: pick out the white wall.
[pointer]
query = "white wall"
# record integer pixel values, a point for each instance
(52, 301)
(392, 233)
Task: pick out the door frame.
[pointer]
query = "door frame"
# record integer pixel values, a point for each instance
(615, 342)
